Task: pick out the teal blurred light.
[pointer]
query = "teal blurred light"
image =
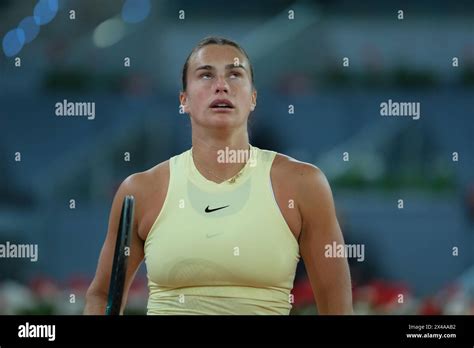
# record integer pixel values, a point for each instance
(13, 42)
(45, 11)
(30, 28)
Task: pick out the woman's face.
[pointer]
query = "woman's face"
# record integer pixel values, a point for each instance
(219, 91)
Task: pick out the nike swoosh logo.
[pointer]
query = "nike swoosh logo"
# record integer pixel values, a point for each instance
(207, 210)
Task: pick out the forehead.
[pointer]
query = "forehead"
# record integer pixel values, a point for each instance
(217, 55)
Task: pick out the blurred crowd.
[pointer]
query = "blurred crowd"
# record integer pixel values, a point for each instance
(381, 297)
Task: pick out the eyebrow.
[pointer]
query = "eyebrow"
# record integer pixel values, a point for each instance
(228, 67)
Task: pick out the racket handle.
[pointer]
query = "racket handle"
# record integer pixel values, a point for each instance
(119, 267)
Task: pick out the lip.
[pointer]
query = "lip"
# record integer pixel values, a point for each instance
(221, 110)
(221, 101)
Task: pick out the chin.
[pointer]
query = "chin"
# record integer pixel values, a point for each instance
(223, 120)
(222, 123)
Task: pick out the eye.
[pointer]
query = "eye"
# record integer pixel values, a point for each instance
(235, 74)
(205, 76)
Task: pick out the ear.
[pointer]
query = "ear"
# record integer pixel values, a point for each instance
(183, 99)
(253, 103)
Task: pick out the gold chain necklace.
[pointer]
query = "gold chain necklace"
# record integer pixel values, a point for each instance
(231, 180)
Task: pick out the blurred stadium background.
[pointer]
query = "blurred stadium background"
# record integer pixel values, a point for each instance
(299, 62)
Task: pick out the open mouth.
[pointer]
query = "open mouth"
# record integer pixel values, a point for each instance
(221, 104)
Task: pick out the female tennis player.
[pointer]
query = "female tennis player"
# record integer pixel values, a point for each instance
(222, 226)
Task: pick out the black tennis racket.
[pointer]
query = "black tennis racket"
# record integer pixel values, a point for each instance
(122, 251)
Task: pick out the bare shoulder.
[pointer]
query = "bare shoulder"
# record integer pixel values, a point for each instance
(147, 181)
(305, 179)
(158, 174)
(147, 186)
(149, 189)
(297, 171)
(311, 189)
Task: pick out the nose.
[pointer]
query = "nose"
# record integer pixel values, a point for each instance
(221, 85)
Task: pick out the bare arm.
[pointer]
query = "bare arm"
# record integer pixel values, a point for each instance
(96, 297)
(329, 276)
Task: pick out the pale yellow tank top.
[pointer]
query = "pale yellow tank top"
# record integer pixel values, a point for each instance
(220, 248)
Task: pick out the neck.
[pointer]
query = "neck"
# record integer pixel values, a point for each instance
(207, 152)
